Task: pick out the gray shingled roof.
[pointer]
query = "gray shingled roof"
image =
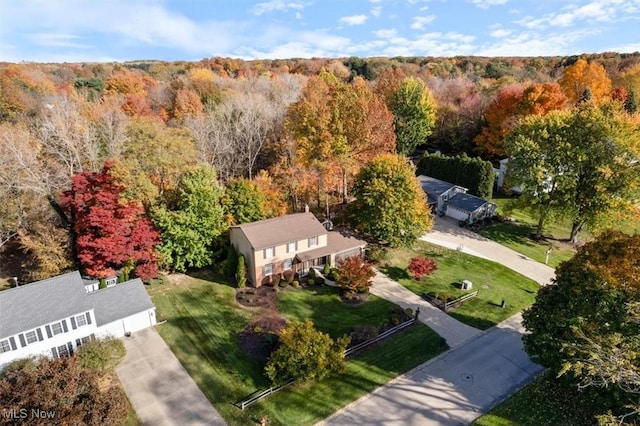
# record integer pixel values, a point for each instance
(433, 186)
(467, 202)
(33, 305)
(280, 230)
(336, 243)
(120, 301)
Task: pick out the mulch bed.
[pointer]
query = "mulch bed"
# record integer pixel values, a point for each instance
(261, 297)
(353, 297)
(259, 337)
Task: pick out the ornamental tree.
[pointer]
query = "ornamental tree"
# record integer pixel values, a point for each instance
(421, 266)
(354, 273)
(390, 206)
(305, 354)
(109, 232)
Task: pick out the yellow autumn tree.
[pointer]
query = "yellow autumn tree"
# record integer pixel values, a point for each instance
(583, 75)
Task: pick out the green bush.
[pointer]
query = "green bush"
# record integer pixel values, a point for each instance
(103, 283)
(311, 281)
(311, 273)
(326, 269)
(378, 254)
(241, 273)
(395, 318)
(409, 312)
(101, 354)
(275, 279)
(283, 283)
(473, 173)
(362, 333)
(295, 283)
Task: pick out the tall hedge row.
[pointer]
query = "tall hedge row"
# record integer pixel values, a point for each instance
(473, 173)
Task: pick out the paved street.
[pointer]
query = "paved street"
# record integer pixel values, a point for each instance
(159, 388)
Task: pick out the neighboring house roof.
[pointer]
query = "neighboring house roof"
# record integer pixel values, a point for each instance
(433, 186)
(336, 243)
(32, 305)
(281, 230)
(120, 301)
(467, 202)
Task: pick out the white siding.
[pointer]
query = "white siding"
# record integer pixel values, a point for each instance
(457, 214)
(129, 324)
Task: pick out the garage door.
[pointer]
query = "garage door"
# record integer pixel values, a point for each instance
(457, 214)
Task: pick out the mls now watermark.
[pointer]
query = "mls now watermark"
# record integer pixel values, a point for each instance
(23, 413)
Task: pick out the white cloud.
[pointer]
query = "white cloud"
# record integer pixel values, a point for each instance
(354, 19)
(58, 40)
(486, 4)
(499, 33)
(598, 11)
(533, 43)
(375, 11)
(386, 33)
(419, 22)
(274, 6)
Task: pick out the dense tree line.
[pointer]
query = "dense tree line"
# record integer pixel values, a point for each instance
(273, 135)
(474, 174)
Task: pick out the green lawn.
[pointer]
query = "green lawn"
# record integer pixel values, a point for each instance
(515, 235)
(322, 305)
(203, 320)
(493, 281)
(544, 402)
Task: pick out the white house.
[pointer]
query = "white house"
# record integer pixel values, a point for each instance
(56, 316)
(453, 201)
(292, 242)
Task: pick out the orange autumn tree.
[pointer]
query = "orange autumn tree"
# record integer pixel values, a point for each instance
(512, 104)
(583, 75)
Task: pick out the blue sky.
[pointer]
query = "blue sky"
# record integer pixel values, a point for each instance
(121, 30)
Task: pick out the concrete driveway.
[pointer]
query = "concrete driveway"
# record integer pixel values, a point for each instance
(159, 388)
(452, 389)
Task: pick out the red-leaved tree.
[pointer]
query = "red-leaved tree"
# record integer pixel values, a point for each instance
(354, 273)
(421, 266)
(110, 233)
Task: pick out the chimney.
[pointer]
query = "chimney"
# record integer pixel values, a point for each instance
(306, 208)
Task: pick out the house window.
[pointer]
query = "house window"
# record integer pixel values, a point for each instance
(81, 320)
(268, 252)
(291, 247)
(31, 336)
(267, 269)
(56, 328)
(80, 342)
(286, 264)
(4, 346)
(313, 241)
(63, 351)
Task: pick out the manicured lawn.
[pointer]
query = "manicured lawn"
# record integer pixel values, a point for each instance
(544, 402)
(203, 320)
(322, 305)
(493, 281)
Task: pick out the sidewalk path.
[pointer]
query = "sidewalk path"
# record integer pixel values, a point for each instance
(159, 388)
(447, 327)
(447, 233)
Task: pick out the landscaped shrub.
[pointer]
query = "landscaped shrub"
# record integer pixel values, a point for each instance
(283, 283)
(326, 269)
(295, 283)
(355, 274)
(473, 173)
(288, 275)
(241, 273)
(275, 279)
(101, 354)
(311, 281)
(420, 266)
(409, 312)
(362, 333)
(305, 354)
(231, 265)
(395, 318)
(311, 273)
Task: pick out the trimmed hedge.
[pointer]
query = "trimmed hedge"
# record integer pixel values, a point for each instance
(474, 174)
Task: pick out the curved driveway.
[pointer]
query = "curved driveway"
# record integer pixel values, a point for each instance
(460, 385)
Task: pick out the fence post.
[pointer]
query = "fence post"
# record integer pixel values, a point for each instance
(415, 318)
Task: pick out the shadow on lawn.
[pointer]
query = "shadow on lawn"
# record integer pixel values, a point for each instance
(396, 273)
(514, 233)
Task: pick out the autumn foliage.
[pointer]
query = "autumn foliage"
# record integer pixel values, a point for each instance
(355, 273)
(421, 266)
(110, 233)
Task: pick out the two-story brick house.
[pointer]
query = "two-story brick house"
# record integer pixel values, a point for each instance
(293, 242)
(55, 316)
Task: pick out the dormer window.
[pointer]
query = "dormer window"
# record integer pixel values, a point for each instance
(313, 241)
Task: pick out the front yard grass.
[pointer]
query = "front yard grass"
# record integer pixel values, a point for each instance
(543, 402)
(203, 320)
(493, 281)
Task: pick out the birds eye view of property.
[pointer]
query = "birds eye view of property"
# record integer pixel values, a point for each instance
(303, 212)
